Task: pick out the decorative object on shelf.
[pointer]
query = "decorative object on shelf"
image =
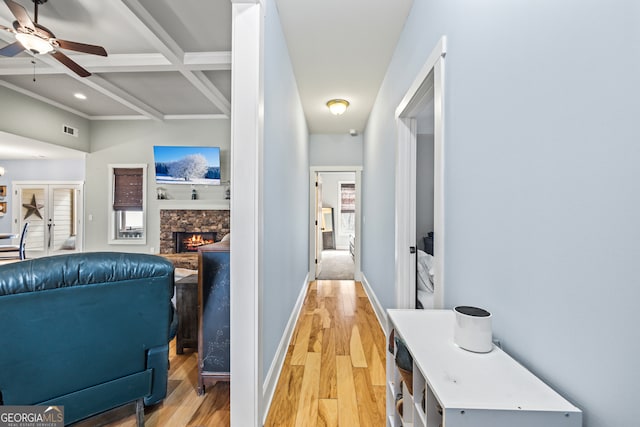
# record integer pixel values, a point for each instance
(3, 208)
(404, 363)
(473, 329)
(33, 208)
(194, 194)
(1, 171)
(161, 193)
(227, 190)
(3, 191)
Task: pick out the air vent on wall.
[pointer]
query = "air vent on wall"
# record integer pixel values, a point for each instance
(69, 130)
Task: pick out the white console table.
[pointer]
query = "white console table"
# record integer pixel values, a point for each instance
(465, 389)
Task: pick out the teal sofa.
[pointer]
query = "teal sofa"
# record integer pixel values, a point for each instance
(87, 331)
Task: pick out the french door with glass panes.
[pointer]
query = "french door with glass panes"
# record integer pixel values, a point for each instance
(54, 214)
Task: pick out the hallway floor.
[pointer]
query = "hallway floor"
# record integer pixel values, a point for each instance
(334, 371)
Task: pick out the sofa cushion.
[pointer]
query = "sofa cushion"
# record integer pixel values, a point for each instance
(78, 270)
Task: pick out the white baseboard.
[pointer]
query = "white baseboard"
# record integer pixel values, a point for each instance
(381, 314)
(271, 380)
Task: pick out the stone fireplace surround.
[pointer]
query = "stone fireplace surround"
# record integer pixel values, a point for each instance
(173, 220)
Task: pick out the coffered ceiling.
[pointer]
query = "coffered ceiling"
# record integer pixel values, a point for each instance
(170, 59)
(166, 59)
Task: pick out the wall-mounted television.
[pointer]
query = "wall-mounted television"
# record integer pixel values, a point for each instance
(187, 165)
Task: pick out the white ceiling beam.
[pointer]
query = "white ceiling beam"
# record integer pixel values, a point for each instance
(124, 63)
(207, 61)
(94, 82)
(107, 88)
(161, 40)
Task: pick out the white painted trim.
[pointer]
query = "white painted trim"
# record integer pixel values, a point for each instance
(220, 205)
(98, 118)
(313, 170)
(407, 106)
(381, 314)
(430, 77)
(111, 231)
(439, 185)
(17, 186)
(196, 117)
(403, 215)
(247, 132)
(210, 61)
(271, 380)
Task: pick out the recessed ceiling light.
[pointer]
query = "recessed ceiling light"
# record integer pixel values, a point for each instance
(80, 96)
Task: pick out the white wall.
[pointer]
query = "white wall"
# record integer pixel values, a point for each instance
(330, 197)
(424, 187)
(541, 184)
(286, 189)
(31, 118)
(117, 142)
(335, 150)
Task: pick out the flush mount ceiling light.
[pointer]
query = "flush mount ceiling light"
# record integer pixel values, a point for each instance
(80, 96)
(337, 106)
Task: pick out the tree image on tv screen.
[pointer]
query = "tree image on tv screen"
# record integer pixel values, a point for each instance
(189, 167)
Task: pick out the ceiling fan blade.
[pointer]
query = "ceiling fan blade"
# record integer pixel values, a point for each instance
(69, 63)
(2, 27)
(81, 47)
(21, 14)
(12, 49)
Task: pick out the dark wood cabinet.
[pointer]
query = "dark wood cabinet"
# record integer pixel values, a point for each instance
(187, 307)
(214, 288)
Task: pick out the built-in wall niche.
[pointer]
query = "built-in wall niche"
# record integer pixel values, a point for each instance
(212, 193)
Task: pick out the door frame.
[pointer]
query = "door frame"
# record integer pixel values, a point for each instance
(16, 208)
(313, 172)
(419, 94)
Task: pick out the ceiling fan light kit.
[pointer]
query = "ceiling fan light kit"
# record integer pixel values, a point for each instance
(39, 40)
(34, 43)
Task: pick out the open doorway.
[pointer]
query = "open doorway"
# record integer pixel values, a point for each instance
(337, 226)
(420, 119)
(335, 223)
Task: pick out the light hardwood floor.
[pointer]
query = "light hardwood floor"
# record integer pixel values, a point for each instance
(334, 371)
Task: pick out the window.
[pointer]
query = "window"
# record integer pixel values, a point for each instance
(128, 204)
(346, 208)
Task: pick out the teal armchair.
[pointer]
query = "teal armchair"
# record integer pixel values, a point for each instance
(87, 331)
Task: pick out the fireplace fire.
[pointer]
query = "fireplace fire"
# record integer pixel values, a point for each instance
(190, 241)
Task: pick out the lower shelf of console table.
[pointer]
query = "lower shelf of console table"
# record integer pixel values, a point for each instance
(452, 387)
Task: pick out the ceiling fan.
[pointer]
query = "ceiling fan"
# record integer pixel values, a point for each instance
(39, 40)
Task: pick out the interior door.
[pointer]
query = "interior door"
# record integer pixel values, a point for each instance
(54, 213)
(63, 222)
(318, 224)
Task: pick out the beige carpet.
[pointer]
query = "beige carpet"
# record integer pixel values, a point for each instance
(336, 265)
